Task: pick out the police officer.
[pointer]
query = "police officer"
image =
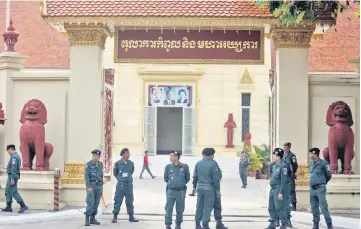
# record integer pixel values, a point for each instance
(123, 171)
(11, 189)
(278, 182)
(243, 168)
(217, 206)
(320, 175)
(93, 175)
(206, 178)
(176, 175)
(286, 198)
(291, 158)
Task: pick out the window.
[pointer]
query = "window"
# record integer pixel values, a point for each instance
(246, 105)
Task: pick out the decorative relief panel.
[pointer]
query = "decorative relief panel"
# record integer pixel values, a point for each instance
(108, 123)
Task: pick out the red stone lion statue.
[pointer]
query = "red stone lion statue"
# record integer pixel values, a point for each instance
(32, 136)
(340, 138)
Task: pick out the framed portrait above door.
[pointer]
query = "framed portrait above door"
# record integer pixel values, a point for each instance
(170, 95)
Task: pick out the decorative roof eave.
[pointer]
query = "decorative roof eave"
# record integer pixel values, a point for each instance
(165, 22)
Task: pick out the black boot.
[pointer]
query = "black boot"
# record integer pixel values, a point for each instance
(168, 227)
(178, 226)
(283, 226)
(316, 225)
(205, 225)
(289, 224)
(293, 207)
(132, 219)
(93, 220)
(220, 225)
(8, 208)
(272, 225)
(198, 225)
(115, 218)
(23, 207)
(87, 222)
(329, 226)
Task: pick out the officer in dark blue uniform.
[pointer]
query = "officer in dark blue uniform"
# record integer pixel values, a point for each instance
(123, 171)
(93, 175)
(278, 182)
(292, 159)
(243, 168)
(11, 189)
(320, 175)
(206, 178)
(176, 175)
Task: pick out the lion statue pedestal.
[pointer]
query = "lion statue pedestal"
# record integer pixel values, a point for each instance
(36, 188)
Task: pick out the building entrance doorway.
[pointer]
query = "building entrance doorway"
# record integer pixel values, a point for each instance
(169, 129)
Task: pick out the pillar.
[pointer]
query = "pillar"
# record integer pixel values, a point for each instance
(84, 105)
(292, 46)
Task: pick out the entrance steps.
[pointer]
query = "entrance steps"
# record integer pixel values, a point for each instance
(228, 164)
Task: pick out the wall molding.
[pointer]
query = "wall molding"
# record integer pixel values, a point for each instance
(334, 80)
(42, 75)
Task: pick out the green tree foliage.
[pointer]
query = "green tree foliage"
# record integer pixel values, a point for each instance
(292, 13)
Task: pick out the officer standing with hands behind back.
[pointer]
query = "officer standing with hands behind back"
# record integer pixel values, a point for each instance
(243, 168)
(320, 175)
(123, 171)
(278, 182)
(176, 175)
(93, 175)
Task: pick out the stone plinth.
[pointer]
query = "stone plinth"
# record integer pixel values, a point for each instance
(343, 192)
(36, 188)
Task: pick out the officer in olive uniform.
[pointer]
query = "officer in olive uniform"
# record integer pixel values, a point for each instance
(11, 189)
(217, 206)
(206, 178)
(320, 175)
(243, 168)
(286, 198)
(177, 176)
(93, 175)
(291, 158)
(123, 171)
(272, 168)
(278, 182)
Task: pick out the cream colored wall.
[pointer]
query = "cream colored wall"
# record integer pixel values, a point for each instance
(322, 94)
(49, 86)
(218, 94)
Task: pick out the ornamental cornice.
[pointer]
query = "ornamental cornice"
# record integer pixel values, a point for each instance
(293, 37)
(87, 34)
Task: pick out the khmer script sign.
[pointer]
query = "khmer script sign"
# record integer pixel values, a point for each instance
(189, 46)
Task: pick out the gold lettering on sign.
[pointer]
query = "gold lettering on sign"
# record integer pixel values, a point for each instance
(185, 43)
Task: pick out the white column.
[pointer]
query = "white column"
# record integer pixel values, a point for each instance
(292, 89)
(10, 65)
(85, 110)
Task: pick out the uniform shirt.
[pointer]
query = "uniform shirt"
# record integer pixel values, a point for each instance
(13, 168)
(176, 176)
(291, 158)
(319, 172)
(243, 162)
(206, 175)
(279, 176)
(93, 174)
(290, 170)
(272, 167)
(123, 171)
(220, 178)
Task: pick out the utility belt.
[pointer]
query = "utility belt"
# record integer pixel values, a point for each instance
(275, 186)
(176, 189)
(9, 174)
(96, 182)
(317, 186)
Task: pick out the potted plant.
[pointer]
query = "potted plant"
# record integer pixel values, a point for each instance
(255, 163)
(264, 152)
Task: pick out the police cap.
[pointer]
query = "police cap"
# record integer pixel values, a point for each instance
(11, 146)
(288, 144)
(204, 151)
(278, 152)
(315, 151)
(176, 153)
(96, 152)
(123, 151)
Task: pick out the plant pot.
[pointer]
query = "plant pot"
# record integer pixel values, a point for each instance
(252, 173)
